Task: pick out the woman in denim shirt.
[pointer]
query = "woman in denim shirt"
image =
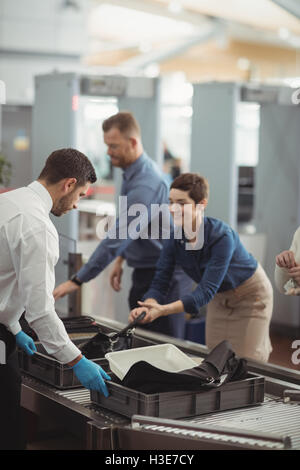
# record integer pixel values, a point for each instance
(235, 288)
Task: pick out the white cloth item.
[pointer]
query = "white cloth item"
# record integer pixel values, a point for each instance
(29, 253)
(282, 276)
(291, 284)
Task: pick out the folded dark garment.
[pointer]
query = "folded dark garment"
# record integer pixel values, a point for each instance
(220, 366)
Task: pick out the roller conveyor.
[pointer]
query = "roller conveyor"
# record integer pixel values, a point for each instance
(274, 425)
(285, 434)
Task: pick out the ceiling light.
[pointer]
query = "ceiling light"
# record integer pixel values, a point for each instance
(294, 41)
(243, 63)
(222, 41)
(283, 33)
(152, 70)
(145, 47)
(175, 7)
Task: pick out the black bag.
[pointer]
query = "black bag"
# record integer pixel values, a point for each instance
(103, 343)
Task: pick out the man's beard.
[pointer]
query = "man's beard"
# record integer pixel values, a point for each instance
(63, 205)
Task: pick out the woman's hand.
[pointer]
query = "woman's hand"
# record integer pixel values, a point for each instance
(155, 310)
(136, 312)
(151, 307)
(286, 259)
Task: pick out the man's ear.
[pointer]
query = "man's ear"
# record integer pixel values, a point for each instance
(203, 203)
(133, 141)
(69, 184)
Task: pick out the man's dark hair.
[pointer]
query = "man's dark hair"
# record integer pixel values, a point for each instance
(124, 121)
(68, 163)
(196, 185)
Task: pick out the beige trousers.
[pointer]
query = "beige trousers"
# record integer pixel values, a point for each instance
(242, 316)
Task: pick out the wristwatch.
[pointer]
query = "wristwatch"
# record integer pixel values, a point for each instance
(75, 279)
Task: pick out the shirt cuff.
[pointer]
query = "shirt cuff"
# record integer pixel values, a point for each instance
(15, 328)
(154, 294)
(189, 304)
(83, 274)
(68, 353)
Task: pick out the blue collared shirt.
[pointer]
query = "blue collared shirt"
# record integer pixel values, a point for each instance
(143, 183)
(221, 264)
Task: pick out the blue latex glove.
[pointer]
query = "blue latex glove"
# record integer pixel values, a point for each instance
(91, 375)
(26, 343)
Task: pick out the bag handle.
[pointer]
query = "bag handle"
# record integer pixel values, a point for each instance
(131, 325)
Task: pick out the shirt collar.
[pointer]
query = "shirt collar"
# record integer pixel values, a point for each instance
(183, 239)
(134, 167)
(42, 192)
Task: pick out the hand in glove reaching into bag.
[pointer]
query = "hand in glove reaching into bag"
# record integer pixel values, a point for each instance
(91, 375)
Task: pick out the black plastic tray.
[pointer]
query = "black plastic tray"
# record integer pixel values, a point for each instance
(48, 369)
(239, 394)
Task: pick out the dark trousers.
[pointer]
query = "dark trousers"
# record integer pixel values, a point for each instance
(11, 426)
(172, 325)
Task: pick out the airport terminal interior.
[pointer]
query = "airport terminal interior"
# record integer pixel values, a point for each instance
(215, 88)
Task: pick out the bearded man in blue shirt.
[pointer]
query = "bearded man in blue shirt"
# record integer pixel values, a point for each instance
(143, 184)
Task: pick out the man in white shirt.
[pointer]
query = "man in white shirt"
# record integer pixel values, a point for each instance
(29, 252)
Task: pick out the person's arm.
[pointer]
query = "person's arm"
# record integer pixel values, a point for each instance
(212, 278)
(133, 223)
(34, 255)
(155, 310)
(285, 262)
(128, 227)
(109, 248)
(116, 274)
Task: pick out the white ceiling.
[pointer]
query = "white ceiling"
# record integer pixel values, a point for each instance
(148, 24)
(263, 14)
(37, 36)
(141, 24)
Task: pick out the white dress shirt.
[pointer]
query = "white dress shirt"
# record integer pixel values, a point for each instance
(29, 252)
(281, 274)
